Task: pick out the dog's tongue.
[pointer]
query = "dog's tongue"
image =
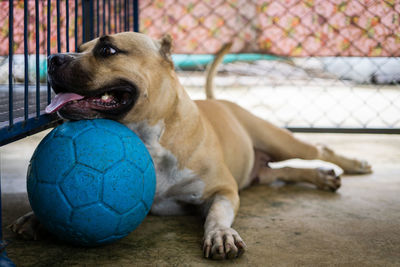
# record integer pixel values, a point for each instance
(60, 100)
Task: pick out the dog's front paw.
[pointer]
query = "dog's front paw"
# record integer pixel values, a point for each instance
(223, 243)
(28, 227)
(327, 180)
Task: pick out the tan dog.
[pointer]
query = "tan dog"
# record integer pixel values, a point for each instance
(204, 151)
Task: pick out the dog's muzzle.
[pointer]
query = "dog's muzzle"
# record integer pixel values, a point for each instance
(74, 101)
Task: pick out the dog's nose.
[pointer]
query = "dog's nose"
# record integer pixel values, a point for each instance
(55, 61)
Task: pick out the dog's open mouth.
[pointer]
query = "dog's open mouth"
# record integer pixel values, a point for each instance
(110, 100)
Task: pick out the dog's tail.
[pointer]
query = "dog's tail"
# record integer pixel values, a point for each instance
(212, 69)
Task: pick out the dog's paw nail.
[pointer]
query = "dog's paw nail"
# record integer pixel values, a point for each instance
(327, 180)
(207, 248)
(241, 246)
(331, 172)
(223, 244)
(227, 248)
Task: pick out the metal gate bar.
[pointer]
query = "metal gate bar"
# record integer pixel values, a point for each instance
(17, 128)
(10, 60)
(37, 57)
(94, 23)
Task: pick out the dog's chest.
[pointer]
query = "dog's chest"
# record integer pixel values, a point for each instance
(175, 187)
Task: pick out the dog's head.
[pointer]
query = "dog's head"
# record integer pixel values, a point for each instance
(122, 76)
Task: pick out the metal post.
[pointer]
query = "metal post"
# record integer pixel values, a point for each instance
(48, 54)
(97, 18)
(37, 51)
(136, 15)
(104, 17)
(67, 24)
(10, 63)
(76, 26)
(87, 20)
(58, 27)
(109, 16)
(26, 71)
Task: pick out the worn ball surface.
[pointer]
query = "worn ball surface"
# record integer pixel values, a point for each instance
(91, 182)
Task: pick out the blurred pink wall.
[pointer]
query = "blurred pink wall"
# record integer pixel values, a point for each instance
(281, 27)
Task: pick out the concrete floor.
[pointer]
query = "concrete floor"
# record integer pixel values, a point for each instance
(289, 225)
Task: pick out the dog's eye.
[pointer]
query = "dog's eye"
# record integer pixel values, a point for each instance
(107, 51)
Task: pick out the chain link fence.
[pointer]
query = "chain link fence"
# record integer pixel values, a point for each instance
(332, 65)
(303, 64)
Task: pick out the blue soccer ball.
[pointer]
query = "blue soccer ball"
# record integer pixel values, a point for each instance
(91, 182)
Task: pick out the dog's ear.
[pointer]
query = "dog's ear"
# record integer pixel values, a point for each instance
(165, 48)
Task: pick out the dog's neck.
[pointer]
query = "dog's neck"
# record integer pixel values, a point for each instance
(182, 122)
(178, 123)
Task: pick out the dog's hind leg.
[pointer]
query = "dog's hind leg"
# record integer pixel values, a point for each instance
(281, 144)
(324, 179)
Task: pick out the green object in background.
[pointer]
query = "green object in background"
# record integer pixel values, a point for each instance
(42, 66)
(184, 61)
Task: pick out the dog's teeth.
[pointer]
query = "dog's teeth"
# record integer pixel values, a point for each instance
(105, 97)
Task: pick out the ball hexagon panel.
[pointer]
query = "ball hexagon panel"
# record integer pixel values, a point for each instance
(49, 204)
(132, 219)
(113, 127)
(42, 144)
(31, 179)
(73, 128)
(133, 147)
(149, 187)
(105, 149)
(66, 232)
(96, 221)
(61, 151)
(82, 185)
(123, 181)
